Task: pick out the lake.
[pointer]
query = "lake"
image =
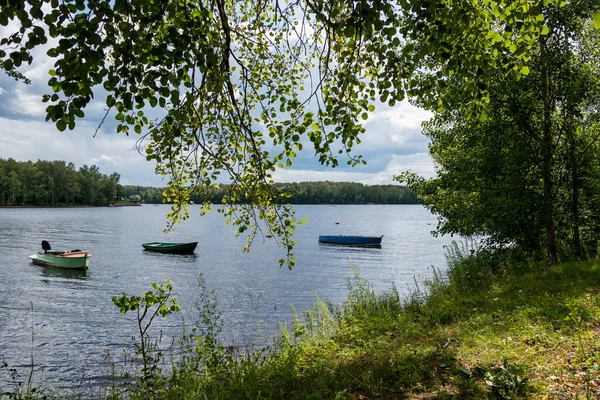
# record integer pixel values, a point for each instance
(76, 327)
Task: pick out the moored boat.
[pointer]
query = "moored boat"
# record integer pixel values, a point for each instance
(62, 259)
(351, 240)
(74, 259)
(171, 248)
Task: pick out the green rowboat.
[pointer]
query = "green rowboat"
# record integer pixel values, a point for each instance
(61, 259)
(172, 248)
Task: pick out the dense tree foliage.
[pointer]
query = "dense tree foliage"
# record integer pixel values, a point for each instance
(58, 183)
(529, 173)
(345, 193)
(52, 183)
(297, 193)
(244, 85)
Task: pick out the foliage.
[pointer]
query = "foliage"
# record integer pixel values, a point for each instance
(527, 175)
(507, 381)
(242, 86)
(21, 391)
(50, 183)
(344, 193)
(204, 352)
(467, 271)
(297, 193)
(153, 303)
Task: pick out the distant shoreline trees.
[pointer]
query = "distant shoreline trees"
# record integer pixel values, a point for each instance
(55, 183)
(58, 183)
(325, 192)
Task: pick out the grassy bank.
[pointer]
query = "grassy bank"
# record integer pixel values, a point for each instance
(496, 326)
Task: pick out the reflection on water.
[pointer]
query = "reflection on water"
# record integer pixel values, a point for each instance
(63, 272)
(75, 323)
(165, 256)
(345, 247)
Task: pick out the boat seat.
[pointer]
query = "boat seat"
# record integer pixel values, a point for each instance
(55, 252)
(46, 246)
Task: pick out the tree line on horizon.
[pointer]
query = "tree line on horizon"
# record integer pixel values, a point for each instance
(60, 183)
(317, 192)
(55, 183)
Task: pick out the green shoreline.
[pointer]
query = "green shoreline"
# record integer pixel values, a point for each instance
(75, 206)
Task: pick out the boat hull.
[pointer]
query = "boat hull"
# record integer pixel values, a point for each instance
(68, 260)
(170, 248)
(350, 240)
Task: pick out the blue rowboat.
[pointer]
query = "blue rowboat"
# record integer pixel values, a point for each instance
(351, 240)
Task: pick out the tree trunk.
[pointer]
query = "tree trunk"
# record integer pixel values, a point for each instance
(574, 183)
(547, 150)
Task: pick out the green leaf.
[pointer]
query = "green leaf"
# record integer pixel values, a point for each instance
(597, 19)
(525, 70)
(61, 125)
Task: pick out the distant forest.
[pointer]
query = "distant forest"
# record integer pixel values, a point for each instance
(54, 183)
(58, 183)
(300, 193)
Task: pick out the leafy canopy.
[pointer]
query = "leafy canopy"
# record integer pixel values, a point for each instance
(527, 175)
(244, 85)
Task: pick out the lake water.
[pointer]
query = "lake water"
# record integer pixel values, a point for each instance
(67, 321)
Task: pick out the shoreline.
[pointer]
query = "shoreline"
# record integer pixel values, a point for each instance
(76, 206)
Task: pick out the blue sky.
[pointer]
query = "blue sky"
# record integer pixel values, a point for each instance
(391, 144)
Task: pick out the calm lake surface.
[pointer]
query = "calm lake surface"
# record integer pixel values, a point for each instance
(76, 327)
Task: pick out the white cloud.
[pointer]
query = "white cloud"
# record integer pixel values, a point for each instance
(290, 175)
(420, 163)
(26, 103)
(29, 140)
(402, 116)
(398, 125)
(107, 160)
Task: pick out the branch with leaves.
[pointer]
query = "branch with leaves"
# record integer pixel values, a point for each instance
(245, 85)
(153, 303)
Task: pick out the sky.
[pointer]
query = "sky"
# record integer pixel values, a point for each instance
(391, 144)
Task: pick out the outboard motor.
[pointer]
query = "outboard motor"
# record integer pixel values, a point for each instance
(46, 246)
